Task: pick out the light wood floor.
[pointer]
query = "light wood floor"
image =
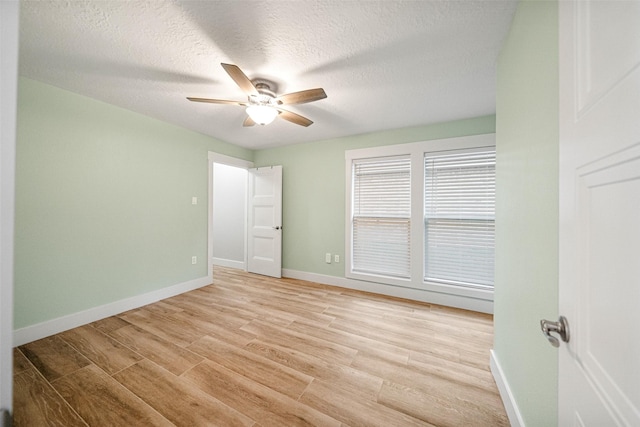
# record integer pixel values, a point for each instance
(254, 351)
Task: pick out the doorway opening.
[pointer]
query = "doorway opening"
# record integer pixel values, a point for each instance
(229, 216)
(228, 183)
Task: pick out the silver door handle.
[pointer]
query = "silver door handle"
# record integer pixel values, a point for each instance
(561, 327)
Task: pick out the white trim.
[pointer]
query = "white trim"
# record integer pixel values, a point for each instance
(473, 304)
(509, 401)
(212, 158)
(229, 161)
(50, 327)
(210, 215)
(9, 23)
(240, 265)
(420, 147)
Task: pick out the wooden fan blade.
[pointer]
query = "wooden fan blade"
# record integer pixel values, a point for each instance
(241, 79)
(248, 122)
(216, 101)
(294, 118)
(302, 97)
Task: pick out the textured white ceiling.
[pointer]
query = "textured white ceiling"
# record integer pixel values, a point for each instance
(383, 64)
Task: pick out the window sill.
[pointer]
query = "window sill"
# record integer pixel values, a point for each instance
(441, 288)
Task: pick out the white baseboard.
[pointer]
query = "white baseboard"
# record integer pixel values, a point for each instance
(510, 405)
(51, 327)
(54, 326)
(482, 306)
(240, 265)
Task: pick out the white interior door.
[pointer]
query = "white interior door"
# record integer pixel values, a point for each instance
(600, 212)
(265, 221)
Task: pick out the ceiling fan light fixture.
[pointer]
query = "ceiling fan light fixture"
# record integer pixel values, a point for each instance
(262, 114)
(262, 104)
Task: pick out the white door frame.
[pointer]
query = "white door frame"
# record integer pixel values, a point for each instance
(229, 161)
(9, 21)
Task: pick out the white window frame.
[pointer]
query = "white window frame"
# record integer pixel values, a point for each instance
(416, 150)
(399, 230)
(482, 215)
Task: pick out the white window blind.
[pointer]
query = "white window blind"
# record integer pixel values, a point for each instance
(382, 216)
(460, 217)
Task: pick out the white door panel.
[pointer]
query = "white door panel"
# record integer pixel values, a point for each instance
(608, 208)
(265, 221)
(600, 212)
(603, 58)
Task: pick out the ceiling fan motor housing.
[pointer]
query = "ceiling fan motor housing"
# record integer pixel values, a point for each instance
(265, 87)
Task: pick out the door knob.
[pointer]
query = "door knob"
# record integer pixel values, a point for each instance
(277, 227)
(561, 327)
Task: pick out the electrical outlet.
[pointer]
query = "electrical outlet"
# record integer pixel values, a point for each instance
(194, 260)
(194, 200)
(327, 258)
(336, 258)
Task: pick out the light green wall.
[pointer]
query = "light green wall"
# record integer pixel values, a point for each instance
(103, 203)
(314, 188)
(103, 200)
(527, 137)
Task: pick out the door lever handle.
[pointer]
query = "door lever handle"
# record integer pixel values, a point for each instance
(277, 227)
(561, 327)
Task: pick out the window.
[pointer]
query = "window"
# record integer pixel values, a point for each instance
(381, 220)
(459, 217)
(420, 217)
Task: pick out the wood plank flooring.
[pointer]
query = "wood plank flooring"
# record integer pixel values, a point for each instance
(254, 351)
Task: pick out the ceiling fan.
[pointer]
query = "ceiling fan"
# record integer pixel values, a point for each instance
(263, 106)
